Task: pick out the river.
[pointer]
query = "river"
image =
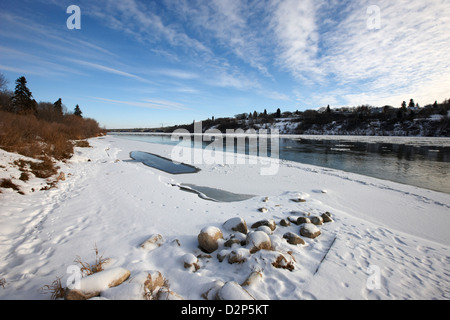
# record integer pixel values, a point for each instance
(421, 162)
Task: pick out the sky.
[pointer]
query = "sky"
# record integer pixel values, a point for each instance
(145, 64)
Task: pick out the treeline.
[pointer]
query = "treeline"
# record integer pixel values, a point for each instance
(44, 130)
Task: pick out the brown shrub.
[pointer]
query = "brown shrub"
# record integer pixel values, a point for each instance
(38, 138)
(8, 184)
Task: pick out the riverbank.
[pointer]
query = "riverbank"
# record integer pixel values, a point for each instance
(386, 241)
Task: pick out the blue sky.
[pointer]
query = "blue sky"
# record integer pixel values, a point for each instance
(146, 63)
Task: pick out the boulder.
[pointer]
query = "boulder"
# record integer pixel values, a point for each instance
(309, 230)
(285, 223)
(299, 220)
(233, 291)
(238, 256)
(190, 261)
(94, 284)
(326, 217)
(265, 229)
(253, 278)
(153, 242)
(236, 224)
(208, 239)
(258, 240)
(211, 292)
(293, 239)
(266, 222)
(263, 210)
(317, 220)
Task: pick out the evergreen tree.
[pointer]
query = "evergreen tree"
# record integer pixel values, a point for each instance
(22, 100)
(58, 107)
(278, 115)
(404, 105)
(77, 111)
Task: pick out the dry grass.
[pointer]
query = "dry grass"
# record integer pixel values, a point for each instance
(37, 138)
(87, 269)
(155, 288)
(55, 289)
(8, 184)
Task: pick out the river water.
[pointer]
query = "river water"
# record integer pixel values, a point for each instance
(421, 162)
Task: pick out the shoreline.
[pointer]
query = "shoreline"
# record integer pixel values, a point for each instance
(116, 204)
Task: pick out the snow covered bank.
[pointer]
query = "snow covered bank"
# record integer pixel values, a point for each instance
(386, 241)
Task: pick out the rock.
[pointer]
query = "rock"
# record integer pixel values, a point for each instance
(75, 295)
(190, 261)
(299, 220)
(326, 217)
(265, 229)
(93, 285)
(309, 230)
(298, 200)
(236, 224)
(293, 239)
(222, 255)
(266, 199)
(239, 236)
(166, 294)
(229, 243)
(284, 262)
(317, 220)
(208, 239)
(266, 222)
(211, 293)
(233, 291)
(285, 223)
(263, 210)
(153, 242)
(254, 277)
(238, 256)
(258, 240)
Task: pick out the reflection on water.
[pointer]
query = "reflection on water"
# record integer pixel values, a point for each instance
(422, 166)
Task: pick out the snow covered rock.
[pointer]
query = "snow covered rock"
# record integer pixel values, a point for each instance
(299, 220)
(258, 240)
(233, 291)
(326, 217)
(285, 223)
(238, 256)
(208, 239)
(211, 293)
(153, 242)
(190, 261)
(253, 278)
(266, 222)
(293, 239)
(93, 285)
(236, 224)
(265, 229)
(317, 220)
(309, 230)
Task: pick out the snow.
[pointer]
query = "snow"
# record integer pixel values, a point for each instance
(386, 241)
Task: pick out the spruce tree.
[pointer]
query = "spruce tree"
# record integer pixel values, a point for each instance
(22, 100)
(58, 107)
(77, 111)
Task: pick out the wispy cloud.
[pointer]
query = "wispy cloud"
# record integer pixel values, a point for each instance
(107, 69)
(149, 103)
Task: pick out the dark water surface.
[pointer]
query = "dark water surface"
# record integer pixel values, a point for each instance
(426, 166)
